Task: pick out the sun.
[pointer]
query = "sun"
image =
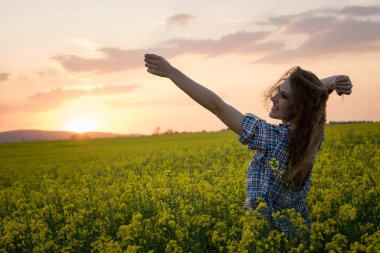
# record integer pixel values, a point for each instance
(81, 125)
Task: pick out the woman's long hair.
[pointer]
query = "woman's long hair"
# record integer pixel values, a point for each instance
(307, 125)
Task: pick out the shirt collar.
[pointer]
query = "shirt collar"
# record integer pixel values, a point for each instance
(286, 124)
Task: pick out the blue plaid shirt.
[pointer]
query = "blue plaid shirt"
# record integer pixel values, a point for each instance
(264, 173)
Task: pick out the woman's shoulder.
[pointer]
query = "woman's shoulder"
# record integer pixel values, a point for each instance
(261, 135)
(277, 127)
(248, 114)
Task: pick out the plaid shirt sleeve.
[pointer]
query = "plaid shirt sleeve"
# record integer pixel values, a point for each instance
(254, 132)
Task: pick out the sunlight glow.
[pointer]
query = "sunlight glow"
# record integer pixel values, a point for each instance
(81, 125)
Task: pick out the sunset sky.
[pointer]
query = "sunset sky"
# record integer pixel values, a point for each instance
(79, 65)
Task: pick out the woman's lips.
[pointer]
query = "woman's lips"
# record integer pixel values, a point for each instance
(274, 108)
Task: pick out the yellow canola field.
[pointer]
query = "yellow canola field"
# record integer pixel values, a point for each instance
(180, 193)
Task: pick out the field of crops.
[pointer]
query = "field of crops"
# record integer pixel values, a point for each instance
(180, 193)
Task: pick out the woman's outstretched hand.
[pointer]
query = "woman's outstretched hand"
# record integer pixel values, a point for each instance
(343, 85)
(157, 65)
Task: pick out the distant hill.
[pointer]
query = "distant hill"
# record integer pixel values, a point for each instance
(39, 135)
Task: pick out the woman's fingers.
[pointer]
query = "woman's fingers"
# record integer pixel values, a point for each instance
(343, 85)
(151, 56)
(157, 65)
(150, 65)
(342, 89)
(156, 72)
(154, 64)
(153, 69)
(342, 92)
(153, 61)
(342, 78)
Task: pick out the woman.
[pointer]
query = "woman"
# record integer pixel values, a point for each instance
(279, 173)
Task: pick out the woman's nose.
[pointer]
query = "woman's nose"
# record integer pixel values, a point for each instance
(275, 97)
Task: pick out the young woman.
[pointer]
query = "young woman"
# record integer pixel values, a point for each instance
(279, 173)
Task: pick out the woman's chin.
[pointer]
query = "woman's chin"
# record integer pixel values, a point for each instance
(272, 115)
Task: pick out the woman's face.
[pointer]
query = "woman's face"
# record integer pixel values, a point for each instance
(282, 103)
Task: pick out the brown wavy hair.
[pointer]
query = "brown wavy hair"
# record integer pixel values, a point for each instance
(307, 124)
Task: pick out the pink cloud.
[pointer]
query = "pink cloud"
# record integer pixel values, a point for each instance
(43, 101)
(329, 32)
(120, 60)
(179, 19)
(240, 42)
(114, 60)
(327, 35)
(114, 89)
(4, 76)
(57, 95)
(361, 10)
(172, 102)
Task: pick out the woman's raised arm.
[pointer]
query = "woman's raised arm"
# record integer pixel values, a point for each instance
(157, 65)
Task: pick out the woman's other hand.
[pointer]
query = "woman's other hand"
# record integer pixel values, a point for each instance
(343, 85)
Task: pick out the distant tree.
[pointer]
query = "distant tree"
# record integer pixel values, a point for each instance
(156, 131)
(169, 131)
(350, 122)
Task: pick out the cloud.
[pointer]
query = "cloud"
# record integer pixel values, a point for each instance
(303, 24)
(325, 32)
(179, 19)
(238, 42)
(43, 101)
(4, 76)
(120, 60)
(57, 95)
(360, 10)
(40, 101)
(113, 89)
(114, 60)
(172, 102)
